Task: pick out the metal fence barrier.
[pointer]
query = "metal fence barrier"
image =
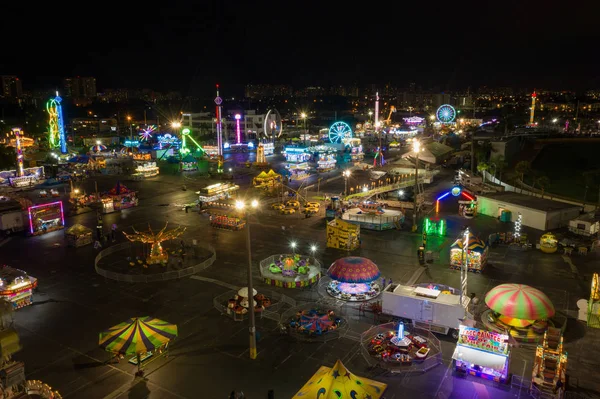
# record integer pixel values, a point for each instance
(148, 278)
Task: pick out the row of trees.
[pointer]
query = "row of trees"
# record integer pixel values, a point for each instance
(522, 168)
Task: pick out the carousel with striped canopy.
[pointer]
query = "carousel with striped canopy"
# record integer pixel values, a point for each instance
(475, 254)
(523, 310)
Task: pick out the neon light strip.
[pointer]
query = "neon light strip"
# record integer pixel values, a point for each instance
(62, 139)
(437, 206)
(30, 221)
(468, 196)
(239, 137)
(62, 214)
(443, 196)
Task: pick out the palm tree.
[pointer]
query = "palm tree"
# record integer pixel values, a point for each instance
(522, 167)
(499, 164)
(543, 182)
(482, 167)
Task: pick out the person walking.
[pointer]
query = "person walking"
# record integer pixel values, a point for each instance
(113, 232)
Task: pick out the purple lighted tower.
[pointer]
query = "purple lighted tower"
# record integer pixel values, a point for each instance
(219, 101)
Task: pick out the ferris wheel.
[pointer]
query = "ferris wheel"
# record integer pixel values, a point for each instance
(446, 113)
(339, 131)
(273, 124)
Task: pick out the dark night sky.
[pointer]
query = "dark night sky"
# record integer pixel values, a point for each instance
(190, 46)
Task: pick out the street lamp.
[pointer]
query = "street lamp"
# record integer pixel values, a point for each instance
(313, 249)
(370, 115)
(400, 193)
(431, 117)
(346, 174)
(130, 128)
(293, 245)
(303, 116)
(416, 150)
(241, 206)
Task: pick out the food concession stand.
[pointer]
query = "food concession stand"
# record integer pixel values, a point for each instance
(482, 353)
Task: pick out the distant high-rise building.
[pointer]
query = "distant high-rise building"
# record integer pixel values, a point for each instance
(267, 90)
(11, 87)
(79, 87)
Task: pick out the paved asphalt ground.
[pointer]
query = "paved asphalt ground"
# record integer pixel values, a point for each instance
(209, 359)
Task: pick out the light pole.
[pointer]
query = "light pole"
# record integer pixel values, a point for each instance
(303, 116)
(416, 150)
(346, 174)
(240, 205)
(130, 129)
(176, 126)
(293, 245)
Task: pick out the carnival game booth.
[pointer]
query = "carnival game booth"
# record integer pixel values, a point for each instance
(338, 382)
(298, 172)
(188, 164)
(267, 179)
(354, 278)
(16, 286)
(78, 236)
(523, 310)
(290, 270)
(146, 169)
(228, 221)
(475, 254)
(343, 235)
(216, 192)
(326, 163)
(297, 163)
(45, 218)
(481, 353)
(117, 198)
(548, 243)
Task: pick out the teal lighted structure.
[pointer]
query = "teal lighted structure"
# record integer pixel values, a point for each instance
(339, 131)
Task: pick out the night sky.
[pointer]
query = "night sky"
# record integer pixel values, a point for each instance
(190, 46)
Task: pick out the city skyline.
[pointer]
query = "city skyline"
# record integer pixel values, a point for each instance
(189, 50)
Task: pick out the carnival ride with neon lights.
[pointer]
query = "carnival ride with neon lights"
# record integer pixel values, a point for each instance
(146, 134)
(56, 128)
(378, 154)
(446, 113)
(353, 278)
(271, 127)
(339, 131)
(455, 191)
(371, 208)
(186, 134)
